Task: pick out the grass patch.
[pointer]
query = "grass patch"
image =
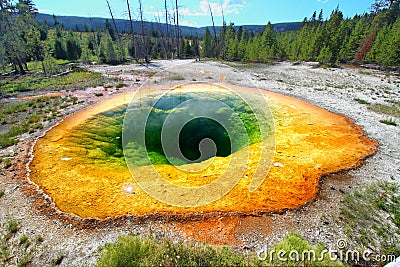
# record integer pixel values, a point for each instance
(75, 80)
(133, 251)
(295, 251)
(12, 227)
(176, 78)
(39, 239)
(120, 85)
(58, 260)
(389, 122)
(364, 72)
(13, 109)
(361, 101)
(24, 241)
(371, 218)
(25, 261)
(1, 193)
(6, 162)
(393, 110)
(29, 116)
(8, 139)
(15, 251)
(4, 252)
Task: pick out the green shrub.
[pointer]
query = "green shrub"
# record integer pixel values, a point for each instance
(24, 241)
(393, 110)
(298, 252)
(39, 239)
(176, 78)
(33, 119)
(24, 261)
(12, 227)
(390, 122)
(361, 101)
(133, 251)
(7, 163)
(371, 218)
(58, 260)
(7, 141)
(120, 85)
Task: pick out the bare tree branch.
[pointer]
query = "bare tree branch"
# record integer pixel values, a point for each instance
(132, 31)
(215, 32)
(113, 20)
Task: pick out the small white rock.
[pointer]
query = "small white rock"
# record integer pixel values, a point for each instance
(278, 165)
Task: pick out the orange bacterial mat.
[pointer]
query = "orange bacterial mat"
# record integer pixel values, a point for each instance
(310, 142)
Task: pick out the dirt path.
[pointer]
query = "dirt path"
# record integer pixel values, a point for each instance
(332, 89)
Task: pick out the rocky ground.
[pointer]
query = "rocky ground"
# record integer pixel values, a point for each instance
(53, 240)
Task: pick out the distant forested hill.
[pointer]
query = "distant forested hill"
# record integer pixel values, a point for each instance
(79, 23)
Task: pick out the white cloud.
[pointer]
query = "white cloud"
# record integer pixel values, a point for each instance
(188, 23)
(203, 9)
(46, 11)
(322, 1)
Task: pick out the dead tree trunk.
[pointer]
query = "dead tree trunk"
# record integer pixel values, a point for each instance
(144, 37)
(162, 39)
(113, 20)
(178, 32)
(168, 48)
(223, 32)
(94, 37)
(215, 33)
(134, 46)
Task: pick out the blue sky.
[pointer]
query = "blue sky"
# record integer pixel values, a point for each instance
(196, 12)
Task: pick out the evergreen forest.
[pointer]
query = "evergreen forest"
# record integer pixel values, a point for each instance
(372, 37)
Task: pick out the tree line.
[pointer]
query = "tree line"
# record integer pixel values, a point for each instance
(372, 37)
(23, 39)
(369, 38)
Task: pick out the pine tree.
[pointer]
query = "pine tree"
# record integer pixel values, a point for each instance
(187, 49)
(385, 49)
(325, 56)
(207, 47)
(60, 50)
(243, 46)
(393, 45)
(73, 48)
(269, 43)
(16, 23)
(332, 31)
(366, 45)
(351, 48)
(108, 51)
(111, 30)
(231, 43)
(36, 46)
(321, 17)
(86, 54)
(195, 48)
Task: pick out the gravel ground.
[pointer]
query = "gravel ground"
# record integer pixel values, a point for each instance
(71, 244)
